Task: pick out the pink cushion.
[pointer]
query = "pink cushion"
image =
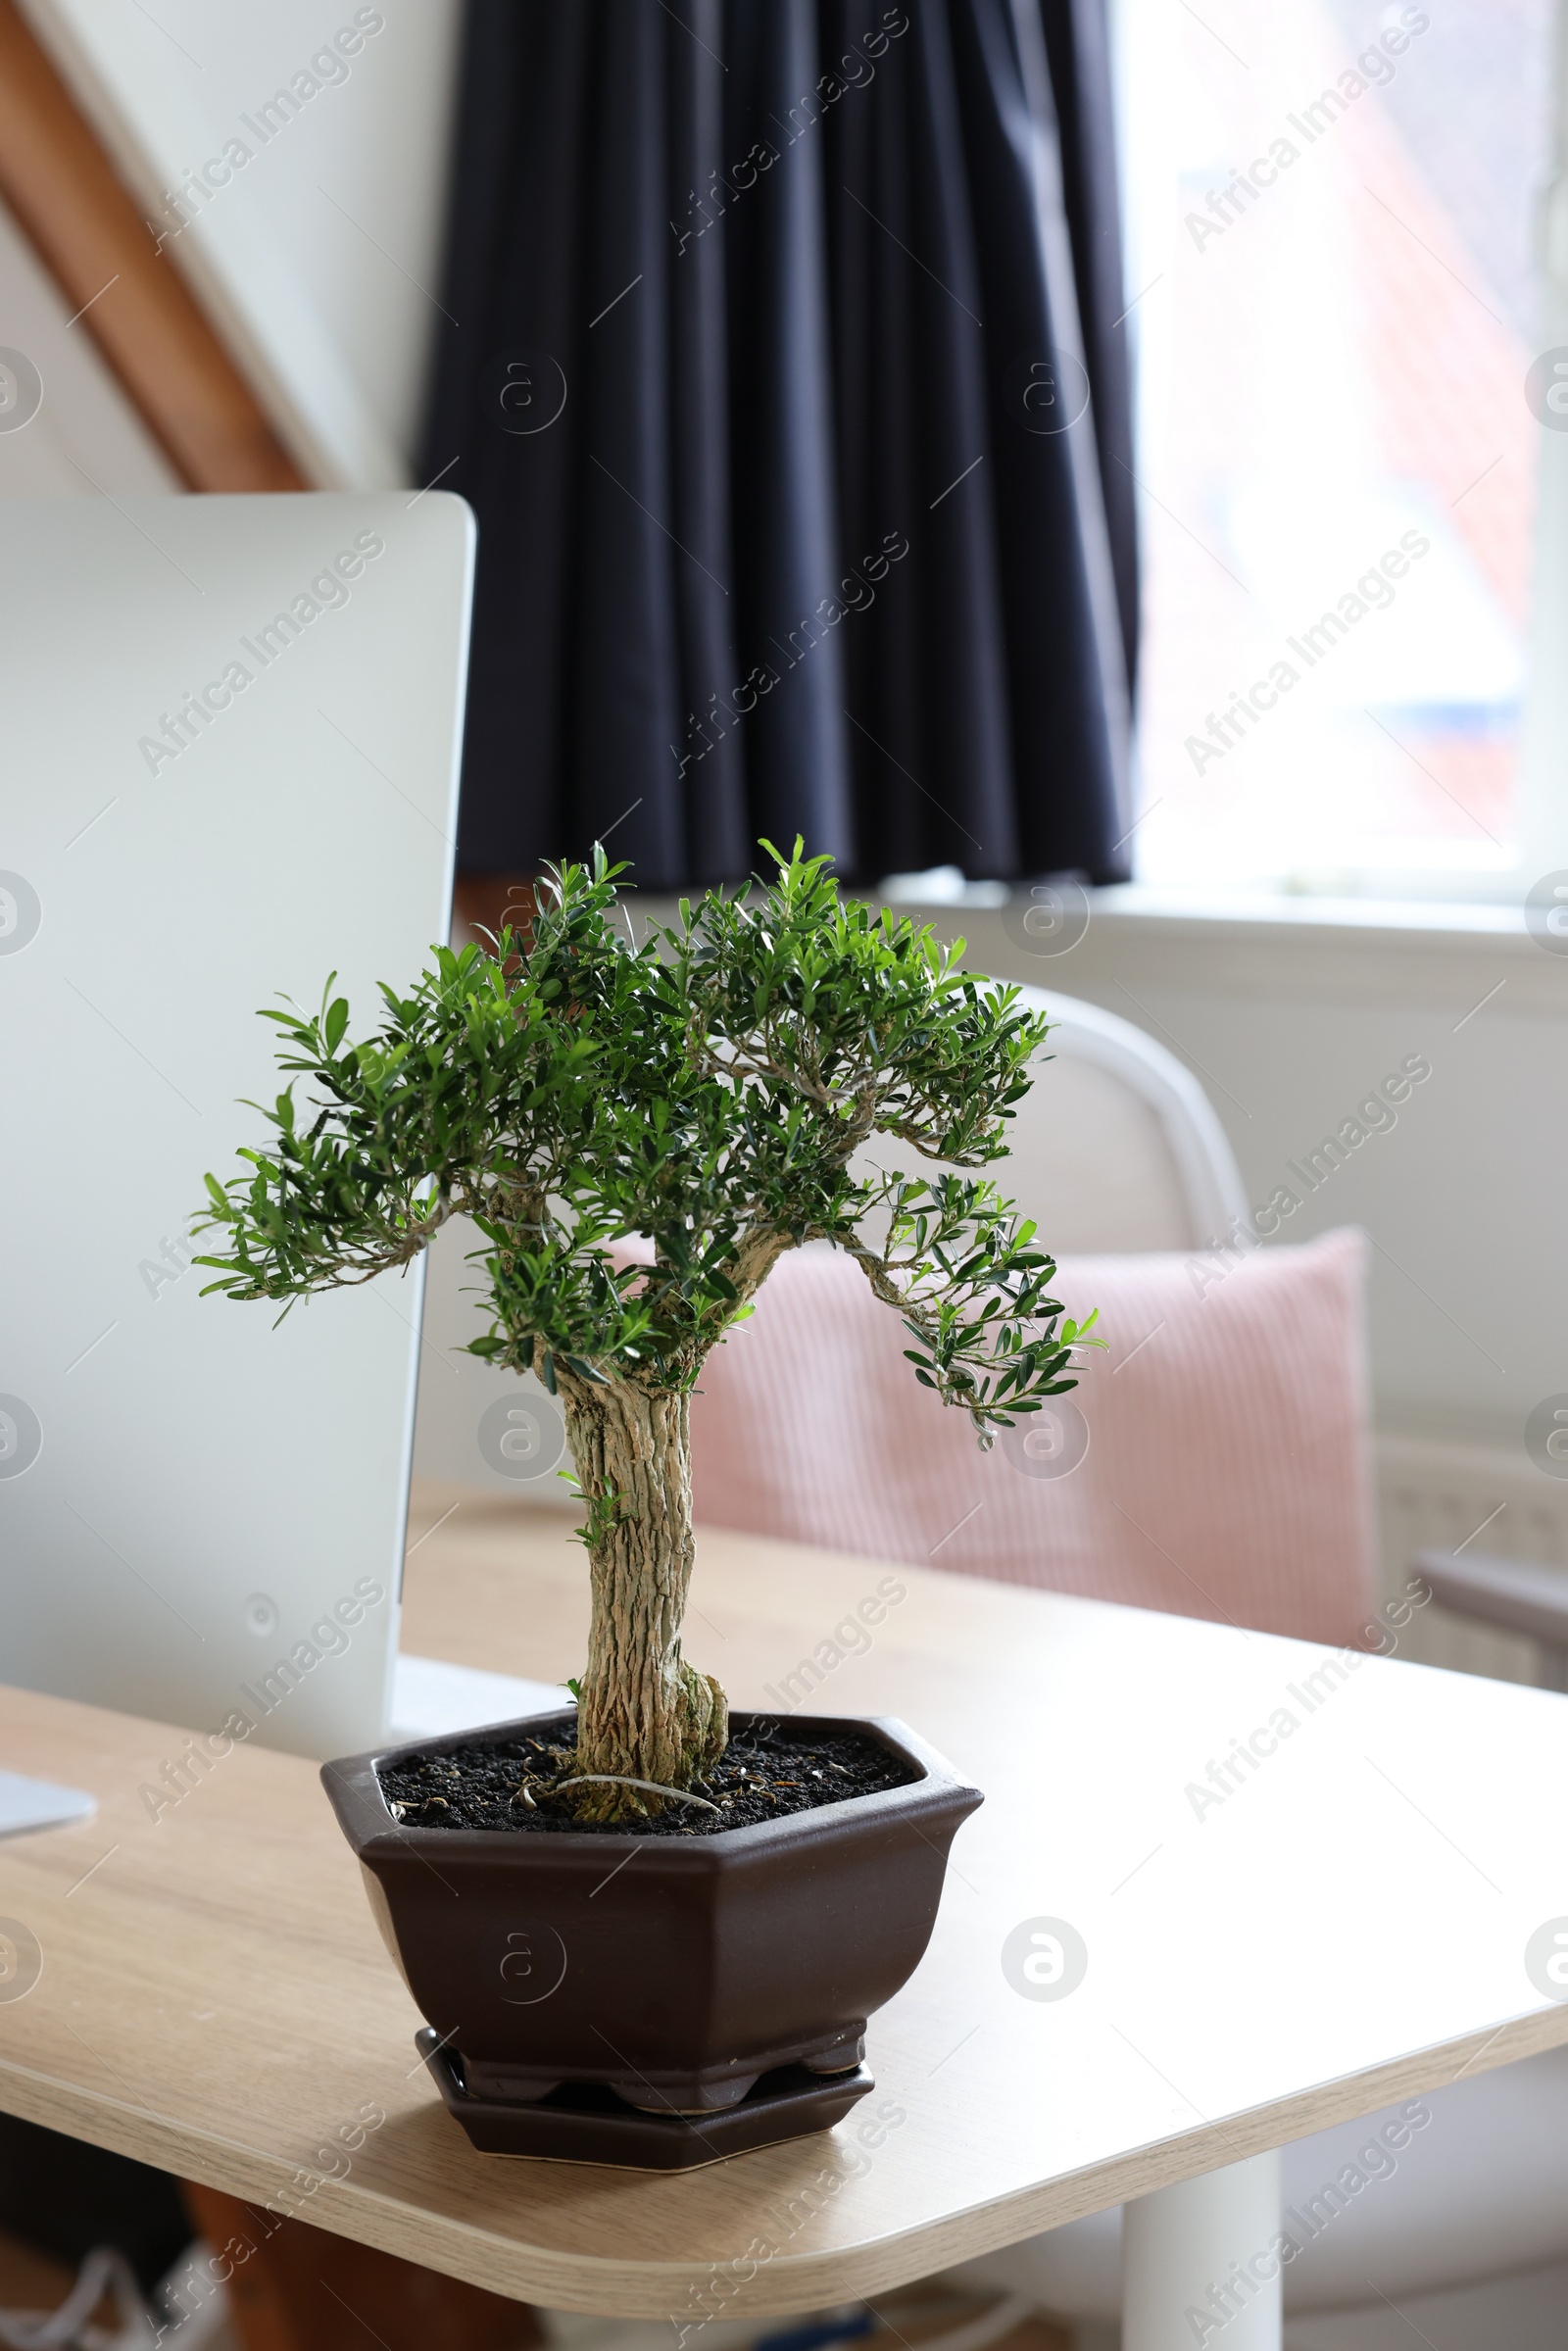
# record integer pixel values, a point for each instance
(1227, 1469)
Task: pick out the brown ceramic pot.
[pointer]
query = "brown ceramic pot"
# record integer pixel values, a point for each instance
(675, 1972)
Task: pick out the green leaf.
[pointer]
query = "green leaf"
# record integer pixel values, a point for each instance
(711, 1089)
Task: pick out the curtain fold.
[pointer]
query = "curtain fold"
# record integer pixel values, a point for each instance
(787, 379)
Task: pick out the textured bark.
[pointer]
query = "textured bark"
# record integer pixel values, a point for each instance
(643, 1711)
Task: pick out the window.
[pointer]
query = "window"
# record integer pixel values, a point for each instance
(1333, 242)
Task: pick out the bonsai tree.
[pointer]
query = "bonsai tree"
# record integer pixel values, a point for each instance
(707, 1094)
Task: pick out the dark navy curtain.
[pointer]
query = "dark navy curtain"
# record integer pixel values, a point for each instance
(787, 375)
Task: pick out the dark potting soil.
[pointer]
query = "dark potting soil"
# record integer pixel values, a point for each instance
(764, 1773)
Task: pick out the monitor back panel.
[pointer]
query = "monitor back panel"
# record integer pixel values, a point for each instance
(229, 751)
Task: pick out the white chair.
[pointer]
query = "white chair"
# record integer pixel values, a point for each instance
(1122, 1138)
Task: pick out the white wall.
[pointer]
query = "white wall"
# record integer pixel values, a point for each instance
(320, 257)
(84, 436)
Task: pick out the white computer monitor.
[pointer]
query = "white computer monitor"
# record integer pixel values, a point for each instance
(228, 759)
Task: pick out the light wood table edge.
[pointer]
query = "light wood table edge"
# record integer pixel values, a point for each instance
(608, 2287)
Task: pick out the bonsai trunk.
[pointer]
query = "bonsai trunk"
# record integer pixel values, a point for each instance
(643, 1713)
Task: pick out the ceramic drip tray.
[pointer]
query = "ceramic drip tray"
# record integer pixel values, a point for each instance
(583, 2122)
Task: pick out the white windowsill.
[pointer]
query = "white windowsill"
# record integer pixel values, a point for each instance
(1227, 911)
(1464, 957)
(1289, 911)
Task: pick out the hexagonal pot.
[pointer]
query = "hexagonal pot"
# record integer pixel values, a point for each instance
(668, 1990)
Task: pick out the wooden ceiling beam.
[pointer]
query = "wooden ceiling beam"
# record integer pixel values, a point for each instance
(88, 231)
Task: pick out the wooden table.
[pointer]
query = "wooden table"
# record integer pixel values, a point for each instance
(1344, 1928)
